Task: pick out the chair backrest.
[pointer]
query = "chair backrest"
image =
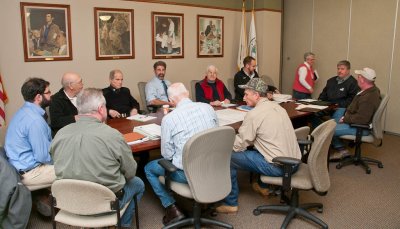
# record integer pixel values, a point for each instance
(268, 80)
(377, 121)
(206, 162)
(193, 89)
(82, 197)
(317, 159)
(302, 132)
(142, 93)
(231, 87)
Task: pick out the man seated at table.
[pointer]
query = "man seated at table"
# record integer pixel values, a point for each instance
(269, 130)
(28, 140)
(156, 88)
(120, 102)
(212, 90)
(92, 151)
(63, 103)
(177, 127)
(360, 111)
(340, 89)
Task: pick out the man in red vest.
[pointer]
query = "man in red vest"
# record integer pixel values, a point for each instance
(303, 85)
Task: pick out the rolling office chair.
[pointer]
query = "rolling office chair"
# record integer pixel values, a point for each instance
(231, 87)
(311, 176)
(193, 89)
(142, 92)
(376, 134)
(206, 163)
(86, 204)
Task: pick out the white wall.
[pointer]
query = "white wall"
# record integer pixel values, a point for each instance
(95, 73)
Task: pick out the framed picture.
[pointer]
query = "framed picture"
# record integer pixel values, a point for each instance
(167, 35)
(46, 31)
(210, 36)
(114, 33)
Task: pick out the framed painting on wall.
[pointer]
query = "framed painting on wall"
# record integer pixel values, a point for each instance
(210, 36)
(46, 31)
(167, 35)
(114, 33)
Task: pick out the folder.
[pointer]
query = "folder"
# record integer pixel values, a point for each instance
(132, 137)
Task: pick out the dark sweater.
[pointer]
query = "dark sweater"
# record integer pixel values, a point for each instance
(62, 111)
(363, 107)
(342, 94)
(120, 100)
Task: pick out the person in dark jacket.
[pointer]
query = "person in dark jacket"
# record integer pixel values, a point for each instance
(63, 103)
(212, 90)
(119, 101)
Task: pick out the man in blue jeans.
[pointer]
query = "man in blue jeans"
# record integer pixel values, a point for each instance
(269, 130)
(177, 127)
(92, 151)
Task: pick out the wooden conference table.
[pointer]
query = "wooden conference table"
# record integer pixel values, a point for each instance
(125, 126)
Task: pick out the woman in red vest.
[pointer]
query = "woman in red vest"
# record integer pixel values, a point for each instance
(303, 85)
(211, 90)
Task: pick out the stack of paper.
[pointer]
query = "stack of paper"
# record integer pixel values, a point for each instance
(310, 108)
(282, 98)
(229, 116)
(152, 131)
(141, 118)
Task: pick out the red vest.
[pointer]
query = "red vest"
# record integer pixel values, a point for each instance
(297, 86)
(208, 93)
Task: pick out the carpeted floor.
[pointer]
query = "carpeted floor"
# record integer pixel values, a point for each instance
(355, 199)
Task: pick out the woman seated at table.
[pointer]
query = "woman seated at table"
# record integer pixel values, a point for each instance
(212, 90)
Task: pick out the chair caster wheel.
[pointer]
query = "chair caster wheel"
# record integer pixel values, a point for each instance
(256, 212)
(339, 166)
(320, 210)
(380, 165)
(368, 171)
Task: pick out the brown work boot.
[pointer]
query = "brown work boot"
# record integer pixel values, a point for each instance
(172, 215)
(226, 209)
(257, 188)
(339, 154)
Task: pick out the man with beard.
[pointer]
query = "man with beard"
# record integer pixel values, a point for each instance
(156, 88)
(28, 140)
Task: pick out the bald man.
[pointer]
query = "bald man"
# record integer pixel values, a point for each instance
(63, 104)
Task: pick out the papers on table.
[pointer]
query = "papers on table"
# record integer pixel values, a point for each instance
(134, 138)
(226, 105)
(281, 98)
(141, 118)
(229, 116)
(244, 108)
(151, 131)
(307, 100)
(310, 108)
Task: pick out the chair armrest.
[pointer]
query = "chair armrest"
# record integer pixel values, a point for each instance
(167, 165)
(304, 141)
(367, 127)
(287, 163)
(169, 168)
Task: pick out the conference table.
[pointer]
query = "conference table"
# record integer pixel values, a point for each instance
(125, 126)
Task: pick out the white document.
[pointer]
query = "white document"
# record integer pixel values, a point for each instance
(152, 131)
(281, 98)
(318, 107)
(226, 105)
(141, 118)
(307, 100)
(229, 116)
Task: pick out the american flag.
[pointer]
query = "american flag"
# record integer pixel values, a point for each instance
(3, 101)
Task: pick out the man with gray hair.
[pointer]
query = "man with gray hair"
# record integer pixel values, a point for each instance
(268, 128)
(212, 90)
(63, 103)
(93, 151)
(303, 85)
(177, 127)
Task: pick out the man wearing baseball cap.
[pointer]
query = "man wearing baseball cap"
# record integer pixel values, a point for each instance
(360, 111)
(269, 130)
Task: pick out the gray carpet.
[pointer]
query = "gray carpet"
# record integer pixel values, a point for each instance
(355, 199)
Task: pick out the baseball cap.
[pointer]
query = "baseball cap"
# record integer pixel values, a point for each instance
(256, 84)
(367, 73)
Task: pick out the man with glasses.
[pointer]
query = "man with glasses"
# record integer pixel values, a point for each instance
(28, 140)
(63, 104)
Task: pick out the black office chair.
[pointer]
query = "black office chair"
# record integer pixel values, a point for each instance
(375, 135)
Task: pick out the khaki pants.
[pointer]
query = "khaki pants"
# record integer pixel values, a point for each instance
(40, 177)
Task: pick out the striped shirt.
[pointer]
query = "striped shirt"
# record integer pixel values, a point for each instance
(177, 127)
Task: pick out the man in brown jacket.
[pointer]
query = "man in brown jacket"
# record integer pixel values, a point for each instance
(360, 111)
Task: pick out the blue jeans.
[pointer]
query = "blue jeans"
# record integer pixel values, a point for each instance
(248, 160)
(132, 187)
(344, 129)
(337, 115)
(301, 95)
(153, 170)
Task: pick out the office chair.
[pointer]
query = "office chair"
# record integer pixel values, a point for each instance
(268, 80)
(376, 134)
(193, 89)
(311, 176)
(206, 163)
(231, 87)
(86, 204)
(142, 92)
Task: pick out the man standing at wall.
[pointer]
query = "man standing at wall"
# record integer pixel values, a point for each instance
(303, 85)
